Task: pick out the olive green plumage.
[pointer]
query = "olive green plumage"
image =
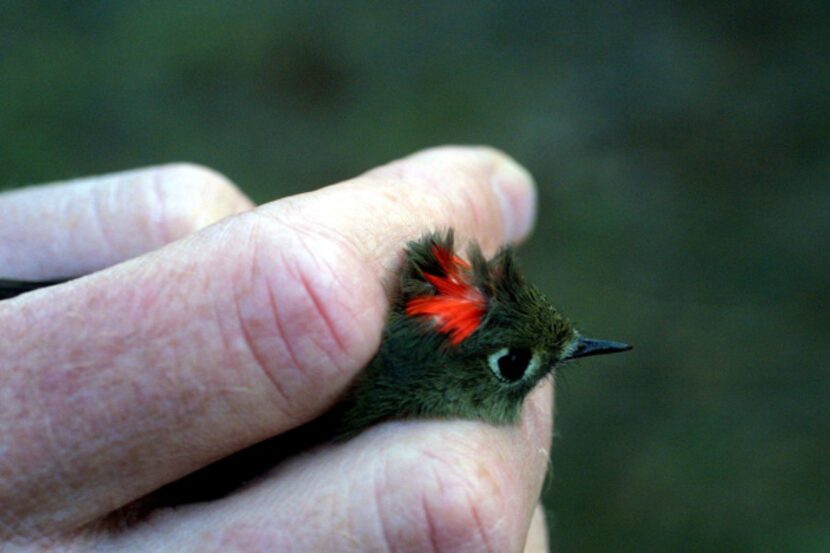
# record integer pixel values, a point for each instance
(477, 356)
(419, 373)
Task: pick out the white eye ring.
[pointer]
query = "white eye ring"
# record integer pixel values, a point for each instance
(519, 371)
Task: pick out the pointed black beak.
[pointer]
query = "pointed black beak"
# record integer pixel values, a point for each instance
(587, 346)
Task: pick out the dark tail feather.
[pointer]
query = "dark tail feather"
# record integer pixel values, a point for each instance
(12, 288)
(236, 471)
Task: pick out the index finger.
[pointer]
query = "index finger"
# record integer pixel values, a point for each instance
(72, 228)
(158, 366)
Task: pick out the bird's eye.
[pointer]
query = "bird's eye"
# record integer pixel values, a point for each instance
(511, 364)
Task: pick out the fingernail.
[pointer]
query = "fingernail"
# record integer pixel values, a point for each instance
(516, 192)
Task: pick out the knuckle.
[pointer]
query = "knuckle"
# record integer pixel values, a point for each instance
(470, 511)
(447, 183)
(301, 310)
(462, 504)
(466, 154)
(470, 163)
(440, 162)
(196, 177)
(188, 197)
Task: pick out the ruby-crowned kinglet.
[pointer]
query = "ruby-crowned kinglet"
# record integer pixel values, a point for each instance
(464, 338)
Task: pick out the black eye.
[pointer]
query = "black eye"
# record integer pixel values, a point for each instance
(511, 364)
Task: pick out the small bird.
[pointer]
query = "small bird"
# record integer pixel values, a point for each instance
(464, 338)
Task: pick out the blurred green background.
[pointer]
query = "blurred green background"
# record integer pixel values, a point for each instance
(681, 151)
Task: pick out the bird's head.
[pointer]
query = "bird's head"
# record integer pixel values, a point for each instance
(466, 337)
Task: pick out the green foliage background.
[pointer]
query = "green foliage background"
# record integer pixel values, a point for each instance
(681, 151)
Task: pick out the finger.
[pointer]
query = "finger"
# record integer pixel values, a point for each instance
(426, 486)
(537, 536)
(137, 375)
(77, 227)
(479, 191)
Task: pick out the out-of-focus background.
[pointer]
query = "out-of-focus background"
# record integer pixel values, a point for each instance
(681, 151)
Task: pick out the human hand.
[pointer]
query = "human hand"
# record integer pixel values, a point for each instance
(191, 343)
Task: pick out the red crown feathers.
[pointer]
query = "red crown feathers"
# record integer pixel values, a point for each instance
(458, 305)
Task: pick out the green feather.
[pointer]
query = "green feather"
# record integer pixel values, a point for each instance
(418, 373)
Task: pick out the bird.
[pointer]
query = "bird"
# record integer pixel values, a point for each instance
(465, 337)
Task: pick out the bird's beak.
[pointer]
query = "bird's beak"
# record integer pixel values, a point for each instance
(587, 346)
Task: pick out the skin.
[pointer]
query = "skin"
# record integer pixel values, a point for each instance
(211, 325)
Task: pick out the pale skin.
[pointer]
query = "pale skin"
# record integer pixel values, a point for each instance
(209, 324)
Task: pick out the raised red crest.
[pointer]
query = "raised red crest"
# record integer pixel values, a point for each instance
(457, 306)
